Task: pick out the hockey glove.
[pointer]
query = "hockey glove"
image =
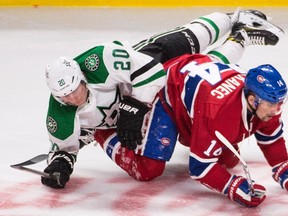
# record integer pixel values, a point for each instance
(239, 191)
(59, 169)
(129, 124)
(280, 174)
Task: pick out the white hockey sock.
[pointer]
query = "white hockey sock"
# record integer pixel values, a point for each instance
(229, 52)
(208, 29)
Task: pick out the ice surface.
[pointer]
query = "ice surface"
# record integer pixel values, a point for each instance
(32, 37)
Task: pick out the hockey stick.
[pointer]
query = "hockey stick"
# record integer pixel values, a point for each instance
(34, 160)
(245, 167)
(46, 175)
(31, 161)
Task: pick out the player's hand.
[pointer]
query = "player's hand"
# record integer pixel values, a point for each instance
(59, 170)
(239, 191)
(130, 121)
(280, 174)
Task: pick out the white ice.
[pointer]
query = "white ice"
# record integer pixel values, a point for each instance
(32, 37)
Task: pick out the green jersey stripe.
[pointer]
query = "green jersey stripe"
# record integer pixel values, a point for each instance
(157, 75)
(143, 69)
(214, 26)
(219, 55)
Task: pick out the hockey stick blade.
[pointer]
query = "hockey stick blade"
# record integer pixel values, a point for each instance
(34, 160)
(31, 161)
(245, 167)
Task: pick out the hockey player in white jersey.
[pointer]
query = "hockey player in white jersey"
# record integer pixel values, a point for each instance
(87, 90)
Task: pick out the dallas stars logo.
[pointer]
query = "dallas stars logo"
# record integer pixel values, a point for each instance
(51, 125)
(110, 113)
(92, 62)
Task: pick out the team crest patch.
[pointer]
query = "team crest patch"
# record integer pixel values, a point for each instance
(92, 62)
(260, 79)
(165, 141)
(51, 125)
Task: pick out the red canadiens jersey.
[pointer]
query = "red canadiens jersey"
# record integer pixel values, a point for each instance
(203, 96)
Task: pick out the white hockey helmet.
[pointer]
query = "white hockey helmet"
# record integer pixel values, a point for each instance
(63, 76)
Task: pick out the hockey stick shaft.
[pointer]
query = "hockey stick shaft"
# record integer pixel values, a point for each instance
(245, 167)
(35, 160)
(54, 176)
(46, 175)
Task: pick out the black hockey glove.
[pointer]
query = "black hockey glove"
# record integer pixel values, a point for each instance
(59, 169)
(130, 121)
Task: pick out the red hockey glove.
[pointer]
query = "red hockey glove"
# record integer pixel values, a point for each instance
(280, 174)
(239, 191)
(61, 168)
(130, 121)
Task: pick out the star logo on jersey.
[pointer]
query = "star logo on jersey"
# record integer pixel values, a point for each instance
(110, 113)
(92, 62)
(66, 63)
(51, 125)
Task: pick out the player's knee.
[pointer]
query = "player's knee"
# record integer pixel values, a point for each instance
(101, 136)
(146, 169)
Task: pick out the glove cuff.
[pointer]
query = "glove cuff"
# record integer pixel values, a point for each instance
(233, 186)
(239, 191)
(62, 156)
(281, 174)
(130, 102)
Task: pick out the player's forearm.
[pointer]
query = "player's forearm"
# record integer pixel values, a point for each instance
(275, 153)
(214, 177)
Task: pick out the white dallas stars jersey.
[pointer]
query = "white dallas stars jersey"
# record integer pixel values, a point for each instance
(111, 70)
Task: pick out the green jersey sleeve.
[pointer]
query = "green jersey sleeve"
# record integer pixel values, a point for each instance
(62, 126)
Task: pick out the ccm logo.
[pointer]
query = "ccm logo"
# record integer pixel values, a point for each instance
(128, 108)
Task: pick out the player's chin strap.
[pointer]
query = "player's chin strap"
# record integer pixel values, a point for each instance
(251, 110)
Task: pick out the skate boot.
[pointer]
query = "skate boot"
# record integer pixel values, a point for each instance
(254, 12)
(240, 36)
(246, 13)
(259, 30)
(257, 33)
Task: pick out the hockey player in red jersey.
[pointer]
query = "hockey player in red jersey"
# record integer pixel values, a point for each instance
(204, 94)
(82, 100)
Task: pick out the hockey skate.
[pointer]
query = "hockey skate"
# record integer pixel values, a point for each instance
(258, 35)
(259, 30)
(245, 15)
